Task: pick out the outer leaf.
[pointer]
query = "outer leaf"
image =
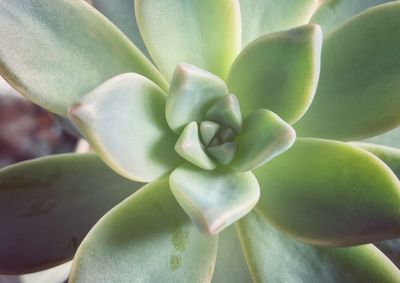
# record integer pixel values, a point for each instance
(263, 137)
(274, 258)
(333, 13)
(330, 193)
(214, 199)
(48, 205)
(193, 91)
(204, 33)
(230, 265)
(264, 16)
(122, 14)
(278, 72)
(147, 238)
(358, 95)
(54, 52)
(121, 120)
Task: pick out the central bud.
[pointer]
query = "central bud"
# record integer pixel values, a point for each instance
(212, 140)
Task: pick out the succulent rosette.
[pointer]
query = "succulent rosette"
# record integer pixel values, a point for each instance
(237, 114)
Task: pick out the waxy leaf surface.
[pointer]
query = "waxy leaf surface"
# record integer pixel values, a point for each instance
(358, 94)
(48, 205)
(274, 258)
(121, 120)
(330, 193)
(147, 238)
(214, 199)
(54, 52)
(264, 16)
(278, 72)
(204, 33)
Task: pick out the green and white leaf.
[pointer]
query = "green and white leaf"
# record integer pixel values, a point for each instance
(47, 206)
(121, 120)
(54, 52)
(147, 238)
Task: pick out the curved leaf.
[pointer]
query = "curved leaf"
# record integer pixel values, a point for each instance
(278, 72)
(48, 205)
(122, 14)
(391, 248)
(333, 13)
(202, 33)
(358, 94)
(214, 199)
(54, 52)
(264, 136)
(274, 258)
(264, 16)
(330, 193)
(230, 265)
(147, 238)
(121, 120)
(193, 91)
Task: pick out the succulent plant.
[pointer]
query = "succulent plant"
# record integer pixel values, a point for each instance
(195, 106)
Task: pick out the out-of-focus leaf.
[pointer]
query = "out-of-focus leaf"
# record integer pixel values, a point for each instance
(54, 52)
(214, 199)
(121, 120)
(231, 265)
(274, 258)
(358, 94)
(391, 138)
(391, 248)
(264, 16)
(204, 33)
(278, 72)
(330, 193)
(332, 13)
(122, 14)
(147, 238)
(48, 205)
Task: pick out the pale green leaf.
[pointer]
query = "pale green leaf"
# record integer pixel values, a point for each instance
(47, 206)
(263, 137)
(147, 238)
(122, 14)
(330, 193)
(333, 13)
(208, 130)
(274, 258)
(204, 33)
(226, 112)
(190, 147)
(358, 94)
(278, 72)
(391, 138)
(121, 120)
(214, 199)
(54, 52)
(193, 91)
(264, 16)
(230, 266)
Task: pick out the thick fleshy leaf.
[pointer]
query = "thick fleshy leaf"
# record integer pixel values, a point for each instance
(391, 138)
(391, 248)
(278, 72)
(330, 193)
(263, 137)
(122, 14)
(358, 94)
(54, 52)
(223, 153)
(204, 33)
(214, 199)
(48, 205)
(208, 130)
(226, 112)
(193, 91)
(333, 13)
(121, 120)
(190, 147)
(147, 238)
(264, 16)
(230, 265)
(274, 258)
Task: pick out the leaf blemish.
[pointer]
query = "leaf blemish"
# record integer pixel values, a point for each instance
(175, 262)
(179, 238)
